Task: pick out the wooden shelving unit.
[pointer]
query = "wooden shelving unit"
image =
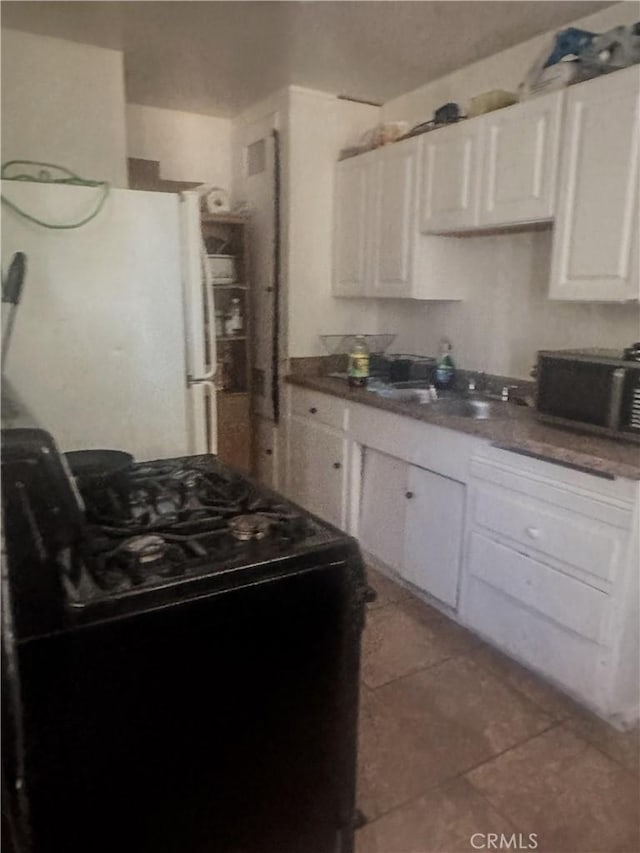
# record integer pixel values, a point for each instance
(228, 234)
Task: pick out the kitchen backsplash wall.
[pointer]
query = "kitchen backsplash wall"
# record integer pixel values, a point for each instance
(507, 316)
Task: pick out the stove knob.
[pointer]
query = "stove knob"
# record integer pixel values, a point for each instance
(313, 410)
(337, 465)
(269, 452)
(408, 495)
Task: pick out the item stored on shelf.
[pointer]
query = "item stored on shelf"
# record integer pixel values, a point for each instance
(234, 323)
(222, 268)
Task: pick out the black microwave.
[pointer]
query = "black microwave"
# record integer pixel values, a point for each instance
(598, 390)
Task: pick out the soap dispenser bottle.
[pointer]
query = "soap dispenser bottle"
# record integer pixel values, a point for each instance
(445, 372)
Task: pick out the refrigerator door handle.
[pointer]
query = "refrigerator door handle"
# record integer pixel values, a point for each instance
(207, 379)
(210, 311)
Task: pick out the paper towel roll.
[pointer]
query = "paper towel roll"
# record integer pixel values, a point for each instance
(217, 200)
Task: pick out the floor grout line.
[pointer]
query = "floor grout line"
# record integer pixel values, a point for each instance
(424, 668)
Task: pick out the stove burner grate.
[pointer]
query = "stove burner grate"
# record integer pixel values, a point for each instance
(167, 520)
(253, 525)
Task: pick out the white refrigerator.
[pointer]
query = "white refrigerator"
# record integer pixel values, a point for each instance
(113, 343)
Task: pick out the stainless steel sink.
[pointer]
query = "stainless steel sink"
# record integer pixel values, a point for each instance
(471, 407)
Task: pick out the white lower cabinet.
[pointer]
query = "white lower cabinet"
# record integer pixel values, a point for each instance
(550, 575)
(433, 534)
(539, 559)
(412, 521)
(317, 469)
(383, 508)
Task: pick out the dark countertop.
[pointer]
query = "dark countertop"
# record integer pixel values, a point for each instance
(519, 430)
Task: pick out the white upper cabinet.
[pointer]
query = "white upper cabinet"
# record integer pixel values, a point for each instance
(595, 244)
(394, 219)
(520, 156)
(450, 173)
(378, 250)
(353, 194)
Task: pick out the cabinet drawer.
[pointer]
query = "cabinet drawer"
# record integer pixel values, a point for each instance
(584, 543)
(331, 411)
(572, 662)
(558, 597)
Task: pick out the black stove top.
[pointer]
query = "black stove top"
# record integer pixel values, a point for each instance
(172, 525)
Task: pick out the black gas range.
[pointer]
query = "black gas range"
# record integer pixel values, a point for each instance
(175, 528)
(180, 657)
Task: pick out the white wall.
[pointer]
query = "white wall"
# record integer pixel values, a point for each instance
(313, 127)
(319, 126)
(507, 316)
(64, 103)
(189, 147)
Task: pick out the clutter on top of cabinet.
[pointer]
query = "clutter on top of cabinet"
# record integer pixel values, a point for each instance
(578, 55)
(446, 114)
(615, 49)
(487, 102)
(381, 134)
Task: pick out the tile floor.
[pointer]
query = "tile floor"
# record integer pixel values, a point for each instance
(456, 739)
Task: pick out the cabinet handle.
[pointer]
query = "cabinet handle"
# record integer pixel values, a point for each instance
(269, 452)
(313, 410)
(337, 465)
(532, 532)
(408, 495)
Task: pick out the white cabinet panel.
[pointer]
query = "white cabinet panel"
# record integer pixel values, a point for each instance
(378, 250)
(433, 534)
(353, 198)
(566, 658)
(383, 505)
(520, 162)
(412, 521)
(394, 219)
(450, 172)
(555, 595)
(317, 469)
(595, 246)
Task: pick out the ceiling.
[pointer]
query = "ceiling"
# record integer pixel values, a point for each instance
(218, 57)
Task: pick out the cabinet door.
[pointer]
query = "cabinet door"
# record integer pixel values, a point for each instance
(595, 244)
(351, 225)
(383, 506)
(433, 534)
(520, 162)
(394, 211)
(450, 172)
(317, 470)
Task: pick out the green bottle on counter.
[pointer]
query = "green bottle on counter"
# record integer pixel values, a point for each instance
(445, 372)
(358, 369)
